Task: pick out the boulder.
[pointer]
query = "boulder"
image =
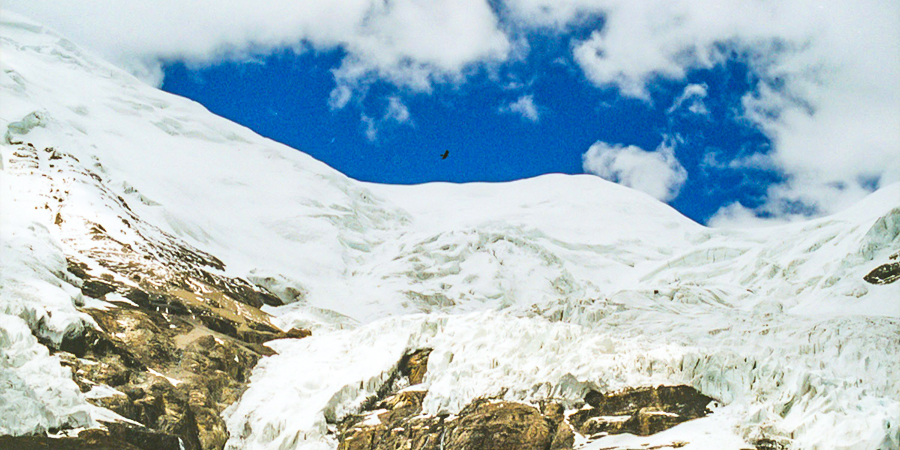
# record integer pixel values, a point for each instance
(640, 411)
(486, 425)
(884, 274)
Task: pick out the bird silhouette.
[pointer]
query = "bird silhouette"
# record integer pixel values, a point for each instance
(445, 154)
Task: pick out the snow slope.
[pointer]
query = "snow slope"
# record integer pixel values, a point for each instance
(540, 288)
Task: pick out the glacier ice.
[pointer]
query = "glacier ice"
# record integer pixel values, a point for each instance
(36, 392)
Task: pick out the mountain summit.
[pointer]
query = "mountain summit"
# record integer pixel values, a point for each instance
(173, 280)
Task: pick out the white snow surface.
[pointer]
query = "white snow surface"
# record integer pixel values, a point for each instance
(536, 289)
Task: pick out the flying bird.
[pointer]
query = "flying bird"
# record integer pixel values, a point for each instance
(445, 154)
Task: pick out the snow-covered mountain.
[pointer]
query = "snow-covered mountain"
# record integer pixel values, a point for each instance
(121, 205)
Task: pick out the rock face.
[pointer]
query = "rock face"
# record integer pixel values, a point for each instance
(88, 439)
(175, 360)
(173, 365)
(642, 411)
(502, 426)
(173, 340)
(483, 425)
(884, 274)
(415, 365)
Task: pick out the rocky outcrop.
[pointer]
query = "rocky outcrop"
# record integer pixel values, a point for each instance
(641, 411)
(506, 426)
(414, 365)
(397, 423)
(87, 439)
(885, 273)
(173, 338)
(769, 444)
(114, 437)
(174, 359)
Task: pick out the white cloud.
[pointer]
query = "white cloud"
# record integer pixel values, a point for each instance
(411, 43)
(790, 201)
(339, 97)
(693, 94)
(553, 13)
(658, 172)
(754, 161)
(827, 95)
(371, 127)
(524, 107)
(396, 111)
(736, 215)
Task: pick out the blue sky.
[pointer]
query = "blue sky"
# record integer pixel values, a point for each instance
(736, 113)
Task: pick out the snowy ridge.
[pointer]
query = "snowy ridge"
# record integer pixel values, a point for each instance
(536, 289)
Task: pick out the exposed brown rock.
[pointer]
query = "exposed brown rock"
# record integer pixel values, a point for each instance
(181, 348)
(414, 365)
(396, 423)
(563, 437)
(884, 274)
(178, 358)
(397, 426)
(769, 444)
(642, 411)
(500, 426)
(118, 437)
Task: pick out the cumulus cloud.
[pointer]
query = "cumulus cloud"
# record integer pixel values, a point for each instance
(524, 107)
(693, 95)
(658, 172)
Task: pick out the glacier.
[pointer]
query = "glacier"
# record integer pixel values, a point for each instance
(530, 290)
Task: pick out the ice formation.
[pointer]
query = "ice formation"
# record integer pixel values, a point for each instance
(536, 289)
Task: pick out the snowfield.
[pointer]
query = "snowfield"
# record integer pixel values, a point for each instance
(536, 289)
